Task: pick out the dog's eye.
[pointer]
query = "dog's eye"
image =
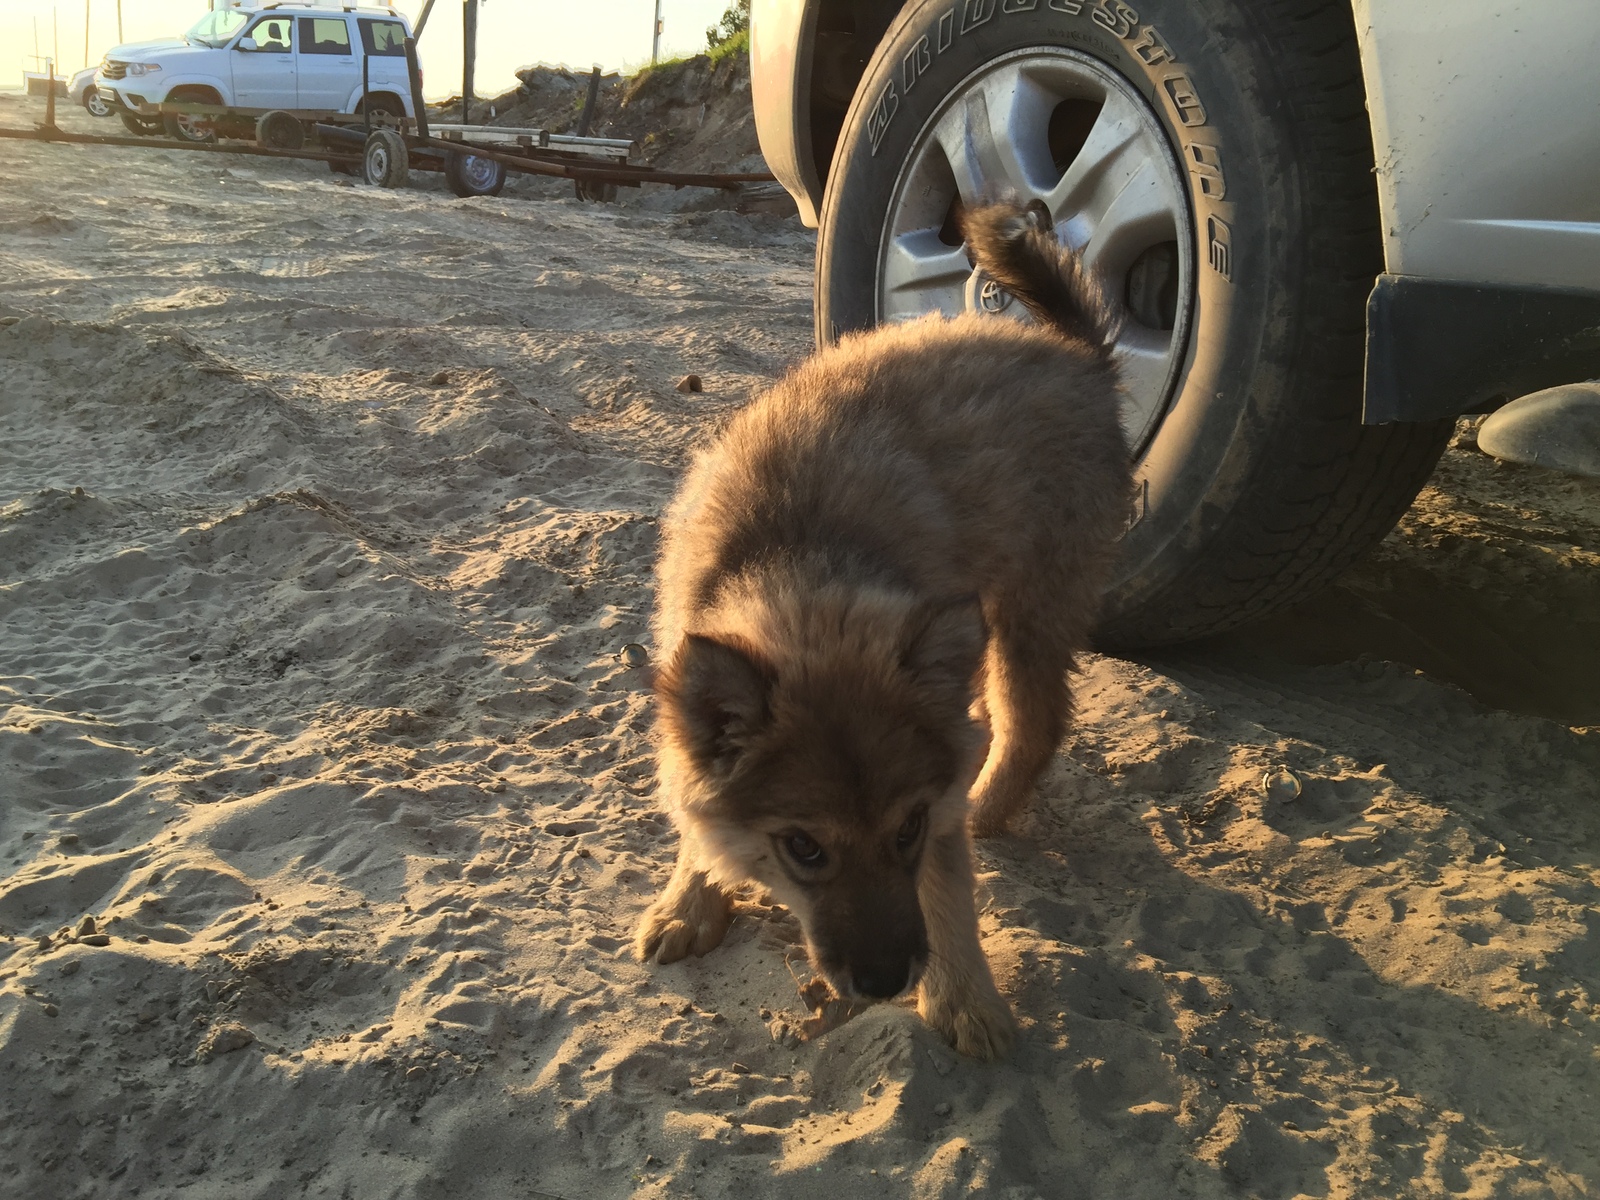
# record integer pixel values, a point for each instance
(804, 850)
(910, 831)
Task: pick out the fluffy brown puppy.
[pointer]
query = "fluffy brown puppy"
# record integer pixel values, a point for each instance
(894, 552)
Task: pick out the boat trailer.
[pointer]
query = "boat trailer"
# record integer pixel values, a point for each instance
(384, 150)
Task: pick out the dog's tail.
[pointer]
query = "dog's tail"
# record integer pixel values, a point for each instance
(1011, 245)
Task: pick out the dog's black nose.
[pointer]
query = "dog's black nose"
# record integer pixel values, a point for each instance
(881, 980)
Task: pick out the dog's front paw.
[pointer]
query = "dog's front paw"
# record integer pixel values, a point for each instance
(977, 1025)
(683, 921)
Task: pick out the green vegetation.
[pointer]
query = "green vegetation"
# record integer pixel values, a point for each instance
(728, 37)
(739, 43)
(734, 27)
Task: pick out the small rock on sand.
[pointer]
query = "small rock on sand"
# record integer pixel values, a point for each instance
(690, 383)
(223, 1039)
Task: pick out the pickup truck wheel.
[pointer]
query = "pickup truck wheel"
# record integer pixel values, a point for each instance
(384, 110)
(470, 175)
(386, 162)
(95, 102)
(143, 126)
(199, 130)
(1211, 162)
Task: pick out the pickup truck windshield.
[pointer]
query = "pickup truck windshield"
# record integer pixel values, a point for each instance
(215, 28)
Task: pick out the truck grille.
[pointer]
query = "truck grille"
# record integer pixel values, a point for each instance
(114, 70)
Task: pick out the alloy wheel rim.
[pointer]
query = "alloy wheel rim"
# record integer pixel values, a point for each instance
(1054, 127)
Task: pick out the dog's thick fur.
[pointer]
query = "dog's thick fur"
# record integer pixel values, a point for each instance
(893, 552)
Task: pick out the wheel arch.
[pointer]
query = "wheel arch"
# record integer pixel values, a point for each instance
(184, 89)
(808, 57)
(353, 104)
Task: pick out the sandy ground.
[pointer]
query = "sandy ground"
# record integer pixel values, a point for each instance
(325, 513)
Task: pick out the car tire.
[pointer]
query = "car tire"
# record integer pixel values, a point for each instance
(143, 126)
(1238, 129)
(196, 130)
(386, 162)
(384, 110)
(469, 175)
(95, 103)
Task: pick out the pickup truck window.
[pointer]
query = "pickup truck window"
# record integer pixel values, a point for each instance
(383, 39)
(273, 35)
(324, 35)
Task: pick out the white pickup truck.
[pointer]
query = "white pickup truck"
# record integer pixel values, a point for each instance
(303, 58)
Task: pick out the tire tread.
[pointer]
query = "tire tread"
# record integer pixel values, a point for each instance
(1328, 488)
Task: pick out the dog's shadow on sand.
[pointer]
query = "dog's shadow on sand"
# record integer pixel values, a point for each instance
(1175, 996)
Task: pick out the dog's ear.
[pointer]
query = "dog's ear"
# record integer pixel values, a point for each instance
(717, 697)
(947, 646)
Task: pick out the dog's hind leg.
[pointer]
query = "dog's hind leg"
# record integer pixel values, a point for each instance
(690, 917)
(958, 996)
(1025, 684)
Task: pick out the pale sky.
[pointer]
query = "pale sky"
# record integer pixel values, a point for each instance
(511, 33)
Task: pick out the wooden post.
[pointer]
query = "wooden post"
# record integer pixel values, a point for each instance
(119, 22)
(469, 56)
(86, 4)
(50, 93)
(415, 73)
(586, 117)
(422, 21)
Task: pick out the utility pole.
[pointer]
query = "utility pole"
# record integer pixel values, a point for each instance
(469, 56)
(86, 4)
(119, 22)
(655, 38)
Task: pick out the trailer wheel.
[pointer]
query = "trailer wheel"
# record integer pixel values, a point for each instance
(386, 162)
(143, 126)
(470, 175)
(280, 130)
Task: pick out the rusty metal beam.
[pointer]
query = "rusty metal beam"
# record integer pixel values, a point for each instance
(144, 143)
(627, 175)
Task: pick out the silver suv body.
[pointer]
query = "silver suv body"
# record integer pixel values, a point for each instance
(291, 56)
